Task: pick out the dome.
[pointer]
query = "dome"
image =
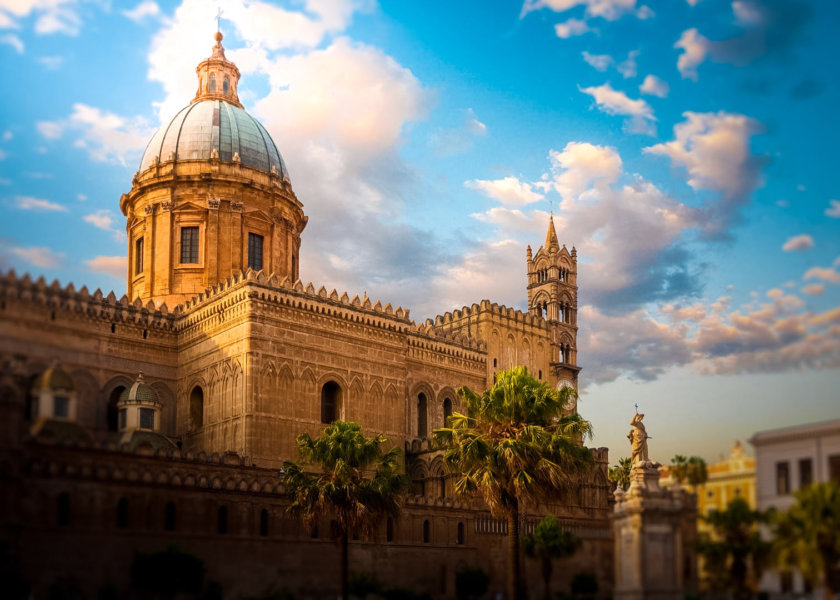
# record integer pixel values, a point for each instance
(139, 392)
(54, 378)
(208, 125)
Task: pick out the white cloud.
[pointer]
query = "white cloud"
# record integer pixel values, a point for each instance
(13, 41)
(571, 28)
(616, 102)
(51, 63)
(653, 86)
(814, 289)
(509, 191)
(144, 10)
(748, 14)
(827, 274)
(833, 209)
(798, 242)
(7, 135)
(628, 67)
(39, 256)
(115, 266)
(714, 148)
(448, 142)
(38, 204)
(607, 9)
(695, 48)
(104, 220)
(81, 197)
(52, 16)
(600, 62)
(3, 154)
(50, 129)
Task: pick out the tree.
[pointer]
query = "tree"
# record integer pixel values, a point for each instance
(679, 467)
(696, 472)
(807, 535)
(357, 484)
(549, 541)
(515, 445)
(619, 475)
(735, 554)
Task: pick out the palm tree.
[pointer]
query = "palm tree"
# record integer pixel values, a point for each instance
(358, 483)
(619, 475)
(549, 541)
(735, 553)
(515, 445)
(679, 468)
(696, 472)
(807, 535)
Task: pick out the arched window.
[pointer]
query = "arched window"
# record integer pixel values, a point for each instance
(427, 532)
(459, 536)
(447, 410)
(263, 518)
(197, 407)
(122, 513)
(422, 429)
(389, 530)
(63, 509)
(225, 85)
(330, 399)
(212, 82)
(443, 486)
(222, 524)
(112, 413)
(169, 516)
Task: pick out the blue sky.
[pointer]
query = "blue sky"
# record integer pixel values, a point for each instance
(684, 146)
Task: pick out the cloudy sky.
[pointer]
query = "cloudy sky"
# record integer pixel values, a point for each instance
(685, 147)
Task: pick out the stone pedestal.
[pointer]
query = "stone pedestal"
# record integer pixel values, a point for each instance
(655, 533)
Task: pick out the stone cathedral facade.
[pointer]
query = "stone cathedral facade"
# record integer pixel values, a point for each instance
(163, 416)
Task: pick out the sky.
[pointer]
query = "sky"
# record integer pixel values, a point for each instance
(685, 148)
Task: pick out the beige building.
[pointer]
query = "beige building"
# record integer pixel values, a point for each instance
(238, 357)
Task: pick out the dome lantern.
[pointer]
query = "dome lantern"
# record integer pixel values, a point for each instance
(139, 407)
(218, 78)
(54, 395)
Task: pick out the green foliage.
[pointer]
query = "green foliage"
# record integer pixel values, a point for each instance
(679, 468)
(807, 535)
(357, 483)
(735, 554)
(696, 472)
(549, 541)
(470, 582)
(619, 475)
(167, 573)
(584, 583)
(514, 444)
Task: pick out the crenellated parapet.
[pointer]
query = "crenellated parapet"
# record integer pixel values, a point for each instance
(487, 308)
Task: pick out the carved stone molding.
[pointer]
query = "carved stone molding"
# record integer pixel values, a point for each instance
(236, 206)
(213, 204)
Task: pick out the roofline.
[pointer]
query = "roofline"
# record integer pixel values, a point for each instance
(795, 431)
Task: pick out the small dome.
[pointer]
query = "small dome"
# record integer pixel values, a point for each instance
(139, 393)
(54, 378)
(208, 125)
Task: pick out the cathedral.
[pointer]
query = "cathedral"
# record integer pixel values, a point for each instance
(164, 416)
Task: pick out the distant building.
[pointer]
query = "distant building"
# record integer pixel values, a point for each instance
(786, 460)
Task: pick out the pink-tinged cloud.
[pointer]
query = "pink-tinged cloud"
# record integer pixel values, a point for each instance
(798, 243)
(115, 266)
(827, 274)
(833, 209)
(39, 256)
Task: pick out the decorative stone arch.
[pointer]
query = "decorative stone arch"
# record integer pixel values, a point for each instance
(525, 354)
(418, 474)
(437, 478)
(87, 396)
(107, 413)
(395, 412)
(356, 401)
(494, 350)
(510, 352)
(446, 393)
(196, 402)
(265, 385)
(332, 394)
(167, 413)
(376, 407)
(421, 398)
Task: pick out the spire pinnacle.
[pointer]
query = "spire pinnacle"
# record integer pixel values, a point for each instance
(218, 78)
(551, 236)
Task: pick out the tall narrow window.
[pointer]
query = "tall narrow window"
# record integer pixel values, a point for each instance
(782, 479)
(421, 416)
(255, 251)
(294, 267)
(197, 407)
(138, 256)
(459, 538)
(226, 85)
(834, 467)
(222, 520)
(427, 532)
(263, 522)
(122, 513)
(806, 472)
(330, 398)
(123, 419)
(447, 410)
(389, 530)
(169, 516)
(212, 82)
(189, 244)
(61, 407)
(147, 418)
(63, 509)
(112, 411)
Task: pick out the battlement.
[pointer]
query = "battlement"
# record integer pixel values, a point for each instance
(483, 309)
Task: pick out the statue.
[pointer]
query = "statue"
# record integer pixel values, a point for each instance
(638, 439)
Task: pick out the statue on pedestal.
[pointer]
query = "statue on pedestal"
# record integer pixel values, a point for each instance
(638, 439)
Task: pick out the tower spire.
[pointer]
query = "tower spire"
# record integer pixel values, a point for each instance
(551, 236)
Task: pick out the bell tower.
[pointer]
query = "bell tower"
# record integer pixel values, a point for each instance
(552, 294)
